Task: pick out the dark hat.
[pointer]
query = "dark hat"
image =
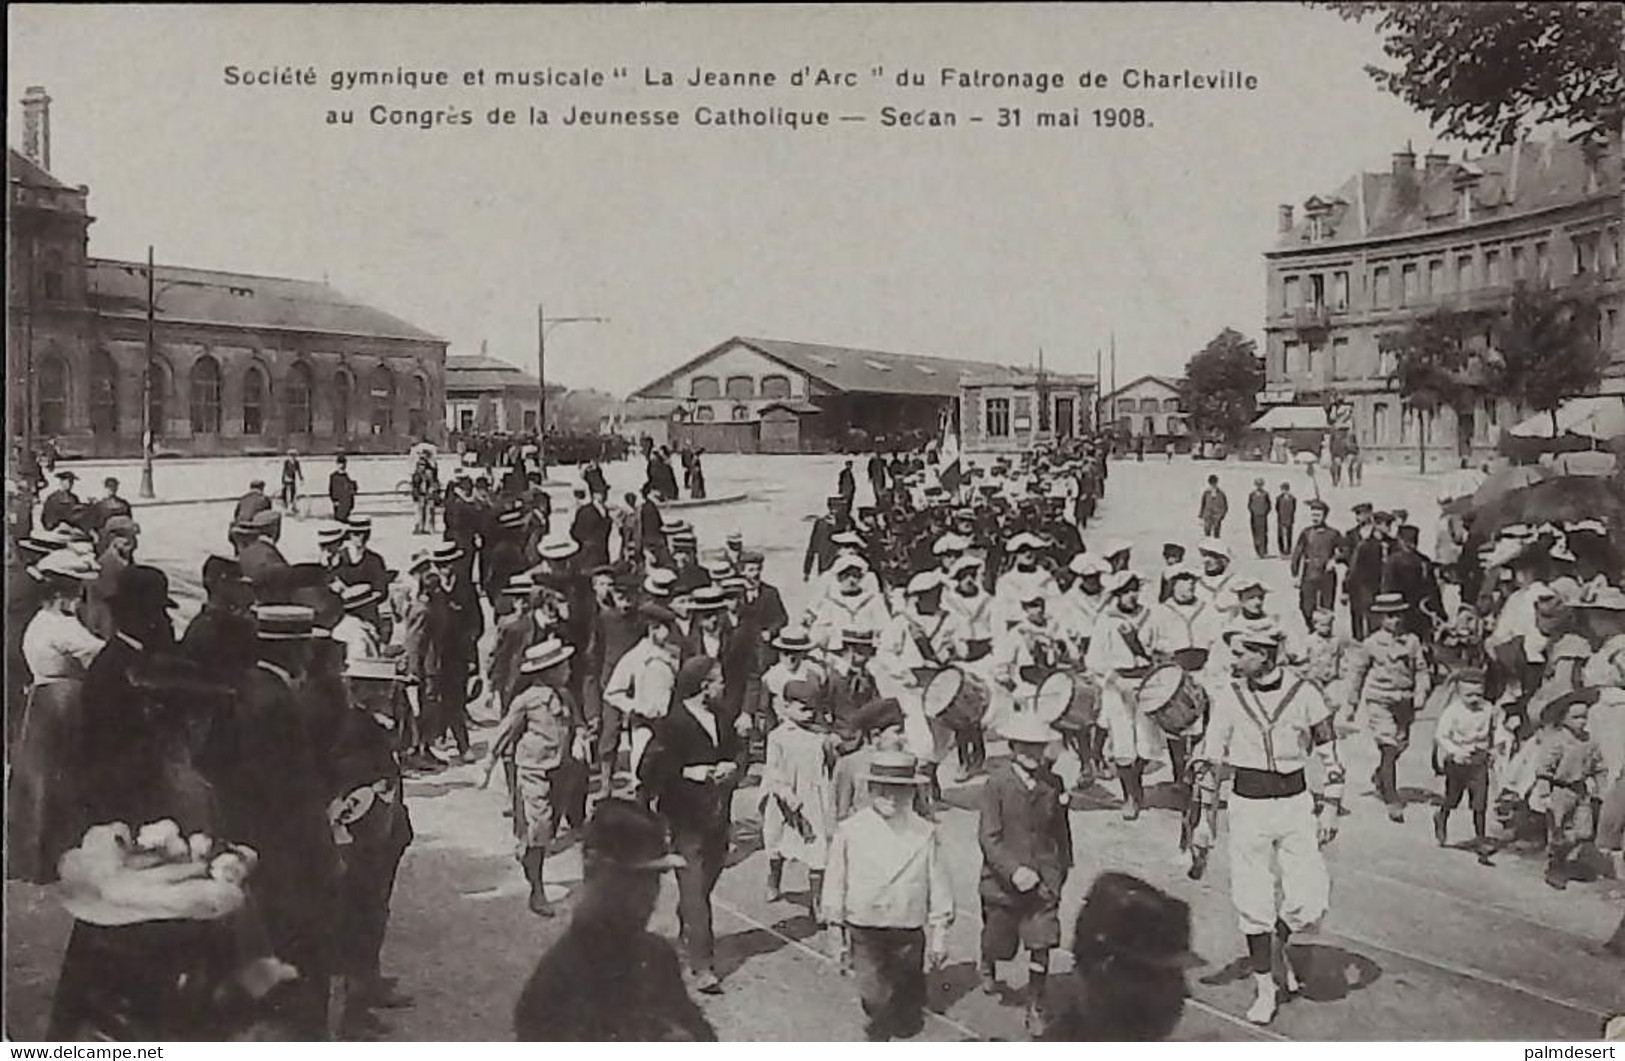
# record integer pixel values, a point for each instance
(751, 556)
(67, 475)
(1126, 921)
(1362, 507)
(512, 519)
(218, 569)
(893, 768)
(120, 526)
(359, 524)
(265, 520)
(141, 588)
(656, 613)
(256, 484)
(692, 674)
(1383, 517)
(1318, 505)
(627, 835)
(878, 714)
(801, 692)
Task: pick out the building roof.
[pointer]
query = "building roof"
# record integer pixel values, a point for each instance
(1168, 382)
(854, 370)
(21, 169)
(476, 372)
(241, 299)
(1527, 178)
(1292, 417)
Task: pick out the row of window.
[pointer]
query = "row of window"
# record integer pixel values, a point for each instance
(204, 399)
(1001, 416)
(709, 388)
(1484, 427)
(1394, 285)
(1145, 405)
(1303, 359)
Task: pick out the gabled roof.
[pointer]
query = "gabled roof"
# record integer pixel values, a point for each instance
(851, 369)
(466, 372)
(22, 170)
(242, 299)
(1168, 382)
(1523, 179)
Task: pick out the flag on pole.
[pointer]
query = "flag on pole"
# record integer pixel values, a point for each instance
(949, 472)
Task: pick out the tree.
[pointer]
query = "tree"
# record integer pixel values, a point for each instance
(1221, 385)
(1483, 71)
(1548, 349)
(1440, 365)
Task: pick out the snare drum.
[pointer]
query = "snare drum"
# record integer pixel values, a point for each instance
(956, 698)
(1068, 701)
(1172, 698)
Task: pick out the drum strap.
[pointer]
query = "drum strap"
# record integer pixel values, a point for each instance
(924, 641)
(1263, 719)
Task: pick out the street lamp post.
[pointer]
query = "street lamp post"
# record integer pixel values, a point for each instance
(148, 436)
(545, 324)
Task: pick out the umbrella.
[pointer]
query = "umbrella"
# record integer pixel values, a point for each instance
(1593, 463)
(1566, 499)
(1499, 484)
(1463, 482)
(1306, 457)
(1600, 418)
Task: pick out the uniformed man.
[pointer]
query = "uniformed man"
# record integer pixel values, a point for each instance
(820, 544)
(1314, 562)
(1024, 580)
(251, 504)
(262, 562)
(1118, 659)
(922, 639)
(1183, 629)
(1389, 684)
(1259, 505)
(1216, 584)
(1366, 547)
(849, 605)
(1262, 731)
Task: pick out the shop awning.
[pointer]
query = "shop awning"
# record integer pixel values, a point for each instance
(1292, 417)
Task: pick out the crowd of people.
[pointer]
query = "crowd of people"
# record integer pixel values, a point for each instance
(634, 682)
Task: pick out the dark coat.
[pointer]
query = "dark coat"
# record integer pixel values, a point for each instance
(1366, 565)
(262, 562)
(1021, 827)
(651, 538)
(370, 570)
(250, 505)
(820, 546)
(595, 985)
(680, 741)
(591, 529)
(61, 506)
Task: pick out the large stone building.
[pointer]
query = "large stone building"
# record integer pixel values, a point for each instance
(775, 396)
(240, 363)
(1015, 410)
(1384, 248)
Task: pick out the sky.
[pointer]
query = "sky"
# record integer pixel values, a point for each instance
(974, 241)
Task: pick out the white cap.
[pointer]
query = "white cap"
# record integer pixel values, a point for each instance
(1084, 564)
(1213, 547)
(924, 582)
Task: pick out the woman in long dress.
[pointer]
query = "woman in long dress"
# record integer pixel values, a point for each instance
(44, 809)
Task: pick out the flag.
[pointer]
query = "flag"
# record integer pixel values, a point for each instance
(949, 472)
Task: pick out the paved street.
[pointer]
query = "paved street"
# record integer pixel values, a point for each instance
(1421, 942)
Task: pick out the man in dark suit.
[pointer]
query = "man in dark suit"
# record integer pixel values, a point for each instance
(62, 505)
(651, 543)
(252, 503)
(591, 527)
(341, 490)
(1367, 558)
(261, 560)
(821, 541)
(689, 772)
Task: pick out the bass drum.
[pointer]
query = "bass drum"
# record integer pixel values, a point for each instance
(1172, 698)
(956, 698)
(1067, 701)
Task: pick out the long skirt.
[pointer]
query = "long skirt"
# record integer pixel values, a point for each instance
(45, 814)
(142, 983)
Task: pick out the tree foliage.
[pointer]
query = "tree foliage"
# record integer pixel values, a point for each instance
(1221, 385)
(1482, 72)
(1439, 363)
(1546, 342)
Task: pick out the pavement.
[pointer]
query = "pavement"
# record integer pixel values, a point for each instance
(1422, 942)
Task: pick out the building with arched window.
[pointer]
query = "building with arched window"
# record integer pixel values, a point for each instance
(240, 363)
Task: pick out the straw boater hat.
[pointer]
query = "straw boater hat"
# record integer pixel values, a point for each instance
(420, 560)
(924, 582)
(331, 533)
(359, 523)
(709, 599)
(1603, 598)
(359, 595)
(42, 542)
(512, 519)
(659, 582)
(1389, 604)
(793, 639)
(67, 566)
(449, 553)
(851, 539)
(1084, 565)
(520, 585)
(285, 622)
(545, 656)
(559, 550)
(893, 768)
(857, 638)
(378, 670)
(1262, 633)
(1027, 728)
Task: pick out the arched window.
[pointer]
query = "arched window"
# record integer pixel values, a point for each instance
(103, 393)
(776, 387)
(206, 396)
(342, 390)
(741, 412)
(704, 388)
(1150, 426)
(704, 414)
(741, 387)
(51, 277)
(253, 401)
(53, 395)
(381, 391)
(296, 396)
(157, 398)
(417, 420)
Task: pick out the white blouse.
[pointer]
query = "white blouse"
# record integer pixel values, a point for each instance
(58, 647)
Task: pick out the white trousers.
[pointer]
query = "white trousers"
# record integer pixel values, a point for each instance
(1276, 868)
(1131, 733)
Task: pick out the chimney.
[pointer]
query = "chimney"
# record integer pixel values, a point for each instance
(37, 126)
(1284, 224)
(1405, 163)
(1435, 163)
(1512, 176)
(482, 347)
(1592, 151)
